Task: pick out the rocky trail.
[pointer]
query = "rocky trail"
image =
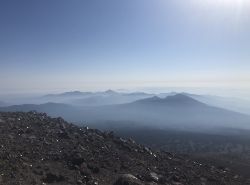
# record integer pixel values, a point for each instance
(37, 149)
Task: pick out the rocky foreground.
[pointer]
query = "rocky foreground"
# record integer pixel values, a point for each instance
(37, 149)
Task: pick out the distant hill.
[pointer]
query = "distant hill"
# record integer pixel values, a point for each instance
(93, 98)
(175, 100)
(80, 94)
(178, 112)
(68, 94)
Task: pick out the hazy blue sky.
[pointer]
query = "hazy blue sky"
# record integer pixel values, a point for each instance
(57, 45)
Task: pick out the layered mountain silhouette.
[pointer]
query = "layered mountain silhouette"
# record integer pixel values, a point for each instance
(175, 100)
(93, 98)
(69, 94)
(179, 112)
(111, 97)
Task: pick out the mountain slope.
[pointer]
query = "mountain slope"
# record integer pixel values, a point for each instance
(37, 149)
(53, 109)
(178, 111)
(235, 104)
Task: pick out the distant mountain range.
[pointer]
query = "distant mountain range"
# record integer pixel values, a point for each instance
(177, 122)
(108, 97)
(176, 112)
(78, 94)
(111, 97)
(68, 94)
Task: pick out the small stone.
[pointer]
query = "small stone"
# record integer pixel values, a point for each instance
(128, 179)
(79, 182)
(154, 177)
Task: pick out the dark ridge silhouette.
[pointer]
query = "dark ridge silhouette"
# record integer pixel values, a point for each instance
(110, 92)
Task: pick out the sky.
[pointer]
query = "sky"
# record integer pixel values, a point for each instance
(62, 45)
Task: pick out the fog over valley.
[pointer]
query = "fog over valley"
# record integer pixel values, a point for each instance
(181, 111)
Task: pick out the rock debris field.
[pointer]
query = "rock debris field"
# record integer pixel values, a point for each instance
(37, 149)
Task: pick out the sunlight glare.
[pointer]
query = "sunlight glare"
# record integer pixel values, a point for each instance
(226, 2)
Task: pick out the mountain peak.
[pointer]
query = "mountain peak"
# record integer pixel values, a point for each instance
(178, 99)
(109, 91)
(182, 99)
(154, 99)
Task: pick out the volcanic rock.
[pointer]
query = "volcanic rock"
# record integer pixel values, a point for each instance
(38, 149)
(128, 179)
